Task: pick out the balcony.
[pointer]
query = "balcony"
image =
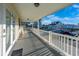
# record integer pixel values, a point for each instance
(18, 40)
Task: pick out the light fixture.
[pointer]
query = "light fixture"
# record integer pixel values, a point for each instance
(36, 4)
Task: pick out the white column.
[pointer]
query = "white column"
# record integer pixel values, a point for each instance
(38, 26)
(11, 30)
(2, 29)
(4, 39)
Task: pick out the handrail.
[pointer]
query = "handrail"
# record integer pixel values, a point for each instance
(59, 34)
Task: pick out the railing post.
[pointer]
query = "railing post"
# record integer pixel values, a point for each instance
(64, 43)
(61, 41)
(67, 45)
(76, 47)
(50, 36)
(71, 47)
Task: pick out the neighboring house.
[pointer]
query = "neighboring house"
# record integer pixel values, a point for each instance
(71, 27)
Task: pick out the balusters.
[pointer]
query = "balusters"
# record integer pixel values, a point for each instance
(76, 47)
(64, 43)
(67, 45)
(71, 46)
(57, 42)
(52, 38)
(61, 42)
(49, 37)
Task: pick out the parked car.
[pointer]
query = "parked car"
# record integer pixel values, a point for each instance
(76, 33)
(64, 32)
(58, 31)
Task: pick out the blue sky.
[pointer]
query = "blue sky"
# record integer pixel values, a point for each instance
(67, 15)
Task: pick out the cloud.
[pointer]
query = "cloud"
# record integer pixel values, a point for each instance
(46, 21)
(66, 20)
(76, 6)
(49, 16)
(77, 15)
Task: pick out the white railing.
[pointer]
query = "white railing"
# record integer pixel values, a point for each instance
(65, 44)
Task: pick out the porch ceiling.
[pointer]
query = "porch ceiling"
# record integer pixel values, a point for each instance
(28, 10)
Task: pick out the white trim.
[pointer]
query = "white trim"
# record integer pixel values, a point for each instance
(9, 49)
(4, 40)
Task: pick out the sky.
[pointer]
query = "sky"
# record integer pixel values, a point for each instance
(67, 15)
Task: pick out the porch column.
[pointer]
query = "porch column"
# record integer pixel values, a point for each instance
(38, 26)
